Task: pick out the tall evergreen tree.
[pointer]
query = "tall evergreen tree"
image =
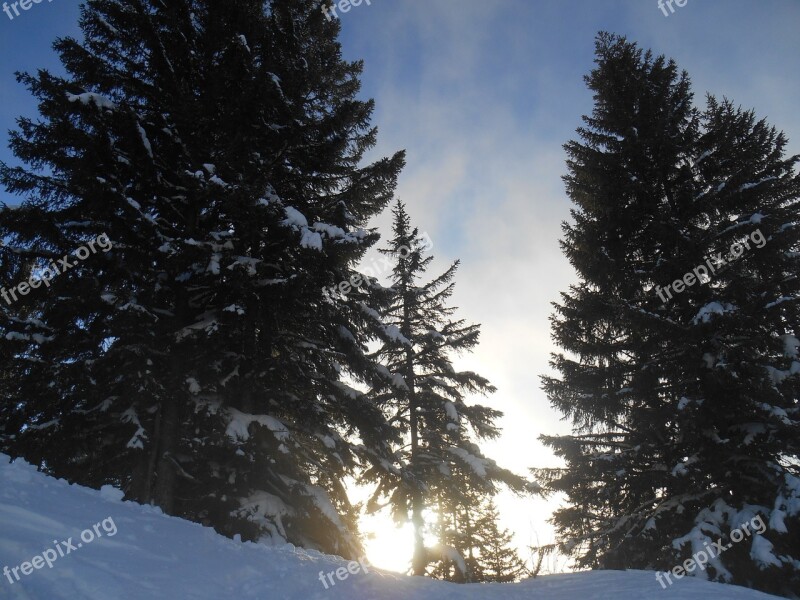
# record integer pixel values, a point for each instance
(683, 396)
(197, 363)
(427, 398)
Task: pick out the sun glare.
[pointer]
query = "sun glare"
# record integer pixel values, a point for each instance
(388, 546)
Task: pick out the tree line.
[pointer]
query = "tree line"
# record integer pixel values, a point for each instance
(203, 364)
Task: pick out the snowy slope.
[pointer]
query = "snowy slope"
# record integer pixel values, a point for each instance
(139, 554)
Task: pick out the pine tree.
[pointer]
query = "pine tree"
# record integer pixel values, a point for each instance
(456, 530)
(683, 399)
(426, 399)
(473, 548)
(197, 363)
(497, 558)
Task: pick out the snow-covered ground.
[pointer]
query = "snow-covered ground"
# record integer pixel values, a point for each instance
(134, 552)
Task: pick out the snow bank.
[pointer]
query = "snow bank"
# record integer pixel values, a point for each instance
(151, 556)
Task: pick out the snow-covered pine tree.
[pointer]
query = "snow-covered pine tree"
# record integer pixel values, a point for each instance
(427, 398)
(684, 402)
(197, 363)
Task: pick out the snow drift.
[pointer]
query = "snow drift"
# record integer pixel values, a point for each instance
(100, 548)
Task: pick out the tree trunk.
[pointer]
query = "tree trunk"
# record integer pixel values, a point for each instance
(144, 474)
(166, 476)
(420, 559)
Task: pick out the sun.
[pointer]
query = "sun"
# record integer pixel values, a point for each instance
(388, 546)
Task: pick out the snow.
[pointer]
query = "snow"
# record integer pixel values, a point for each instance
(761, 552)
(776, 521)
(145, 140)
(109, 492)
(452, 412)
(780, 300)
(748, 186)
(328, 441)
(96, 99)
(311, 239)
(207, 324)
(277, 81)
(337, 233)
(213, 264)
(752, 430)
(137, 441)
(680, 469)
(294, 217)
(248, 262)
(703, 156)
(399, 382)
(266, 509)
(297, 220)
(15, 336)
(234, 308)
(271, 196)
(712, 308)
(393, 333)
(331, 231)
(107, 25)
(779, 375)
(790, 345)
(150, 555)
(436, 335)
(239, 424)
(453, 555)
(478, 465)
(320, 498)
(348, 391)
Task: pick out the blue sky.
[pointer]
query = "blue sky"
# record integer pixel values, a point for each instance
(482, 95)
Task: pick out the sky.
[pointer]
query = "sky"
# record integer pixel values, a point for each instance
(482, 95)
